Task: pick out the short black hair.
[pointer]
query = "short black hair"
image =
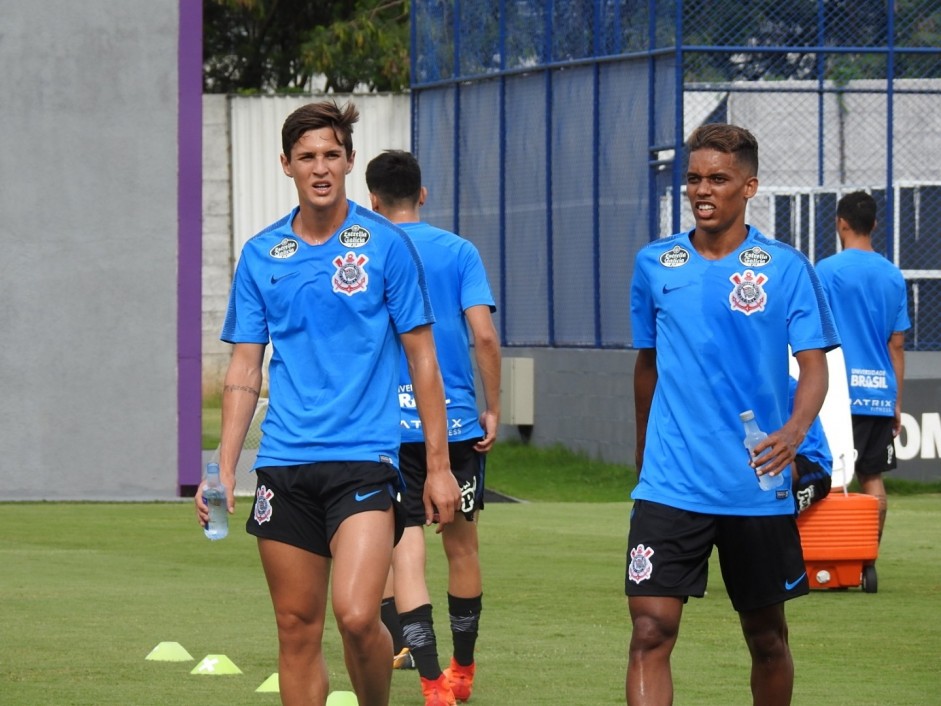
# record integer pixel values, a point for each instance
(394, 176)
(858, 209)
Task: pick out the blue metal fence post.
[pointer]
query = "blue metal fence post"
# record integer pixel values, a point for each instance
(820, 66)
(550, 291)
(890, 233)
(501, 216)
(456, 196)
(595, 175)
(678, 154)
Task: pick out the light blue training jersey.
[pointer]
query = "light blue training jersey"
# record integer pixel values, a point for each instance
(456, 281)
(869, 301)
(332, 313)
(721, 330)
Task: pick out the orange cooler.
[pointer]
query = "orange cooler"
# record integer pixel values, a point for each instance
(840, 539)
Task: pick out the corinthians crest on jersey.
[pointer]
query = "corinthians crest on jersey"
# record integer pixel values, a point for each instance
(350, 276)
(748, 294)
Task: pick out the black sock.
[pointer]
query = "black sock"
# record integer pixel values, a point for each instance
(465, 618)
(390, 618)
(419, 633)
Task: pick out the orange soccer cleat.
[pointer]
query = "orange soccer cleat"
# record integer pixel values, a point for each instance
(437, 692)
(462, 679)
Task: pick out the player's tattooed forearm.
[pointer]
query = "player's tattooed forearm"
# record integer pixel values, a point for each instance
(240, 388)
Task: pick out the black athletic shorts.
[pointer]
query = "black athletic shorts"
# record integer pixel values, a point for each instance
(304, 505)
(875, 444)
(669, 549)
(811, 483)
(467, 465)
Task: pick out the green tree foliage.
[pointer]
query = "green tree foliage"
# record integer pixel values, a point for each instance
(271, 46)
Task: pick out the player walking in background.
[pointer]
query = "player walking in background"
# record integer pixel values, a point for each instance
(333, 288)
(713, 311)
(461, 298)
(870, 306)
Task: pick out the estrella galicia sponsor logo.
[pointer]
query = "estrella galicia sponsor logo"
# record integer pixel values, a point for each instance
(754, 257)
(354, 237)
(676, 256)
(283, 250)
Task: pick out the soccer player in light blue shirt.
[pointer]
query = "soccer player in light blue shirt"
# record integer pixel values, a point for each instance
(870, 306)
(337, 292)
(462, 300)
(713, 311)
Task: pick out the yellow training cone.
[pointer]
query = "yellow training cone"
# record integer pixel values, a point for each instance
(169, 652)
(270, 684)
(216, 664)
(342, 698)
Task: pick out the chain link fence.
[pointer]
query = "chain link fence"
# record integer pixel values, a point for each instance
(549, 133)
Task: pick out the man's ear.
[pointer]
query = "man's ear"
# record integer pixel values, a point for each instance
(751, 187)
(422, 196)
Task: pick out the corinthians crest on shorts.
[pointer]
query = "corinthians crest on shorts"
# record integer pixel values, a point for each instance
(263, 504)
(640, 567)
(748, 295)
(350, 276)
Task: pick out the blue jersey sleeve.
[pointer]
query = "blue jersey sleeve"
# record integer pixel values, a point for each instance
(245, 318)
(643, 321)
(475, 288)
(406, 287)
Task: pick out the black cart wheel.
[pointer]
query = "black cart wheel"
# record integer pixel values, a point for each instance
(870, 582)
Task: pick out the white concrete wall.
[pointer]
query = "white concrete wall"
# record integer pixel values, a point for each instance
(244, 188)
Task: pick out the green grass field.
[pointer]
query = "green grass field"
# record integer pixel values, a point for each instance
(89, 589)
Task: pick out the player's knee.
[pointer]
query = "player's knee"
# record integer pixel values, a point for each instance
(356, 624)
(652, 633)
(462, 552)
(768, 644)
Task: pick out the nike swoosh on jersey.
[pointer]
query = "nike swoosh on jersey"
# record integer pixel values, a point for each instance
(667, 289)
(275, 278)
(788, 585)
(363, 496)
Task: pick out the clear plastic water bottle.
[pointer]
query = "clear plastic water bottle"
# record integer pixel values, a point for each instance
(214, 497)
(754, 435)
